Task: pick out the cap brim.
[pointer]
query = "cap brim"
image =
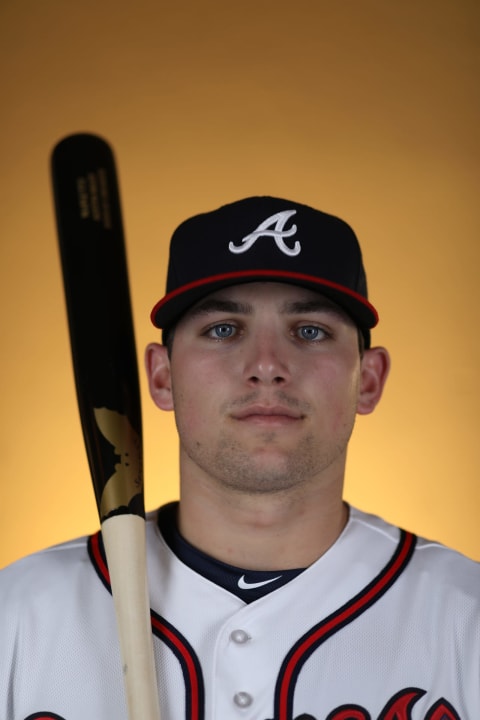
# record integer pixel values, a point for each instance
(170, 308)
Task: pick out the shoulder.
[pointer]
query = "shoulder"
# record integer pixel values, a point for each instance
(51, 556)
(43, 573)
(434, 565)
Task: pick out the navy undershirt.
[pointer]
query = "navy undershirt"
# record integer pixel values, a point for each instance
(248, 585)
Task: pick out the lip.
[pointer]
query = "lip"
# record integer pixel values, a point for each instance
(267, 414)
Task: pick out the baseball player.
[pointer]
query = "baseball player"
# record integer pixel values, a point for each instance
(272, 599)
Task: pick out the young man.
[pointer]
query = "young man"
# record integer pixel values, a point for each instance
(272, 599)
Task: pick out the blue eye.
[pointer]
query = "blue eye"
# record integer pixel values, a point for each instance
(222, 331)
(311, 332)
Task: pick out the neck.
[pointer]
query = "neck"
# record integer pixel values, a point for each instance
(258, 531)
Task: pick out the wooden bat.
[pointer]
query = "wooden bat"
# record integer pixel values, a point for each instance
(92, 251)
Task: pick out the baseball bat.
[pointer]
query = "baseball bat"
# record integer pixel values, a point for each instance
(95, 279)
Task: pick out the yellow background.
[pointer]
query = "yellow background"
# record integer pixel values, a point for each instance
(368, 109)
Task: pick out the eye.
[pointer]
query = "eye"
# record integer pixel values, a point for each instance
(222, 331)
(311, 333)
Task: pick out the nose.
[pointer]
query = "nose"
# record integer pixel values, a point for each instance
(266, 361)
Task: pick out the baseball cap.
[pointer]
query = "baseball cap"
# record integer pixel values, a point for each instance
(265, 239)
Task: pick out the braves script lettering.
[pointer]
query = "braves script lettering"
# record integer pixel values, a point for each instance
(277, 232)
(398, 708)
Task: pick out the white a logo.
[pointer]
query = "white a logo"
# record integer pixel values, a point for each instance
(277, 233)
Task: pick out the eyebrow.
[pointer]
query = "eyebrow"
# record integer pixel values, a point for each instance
(212, 305)
(300, 307)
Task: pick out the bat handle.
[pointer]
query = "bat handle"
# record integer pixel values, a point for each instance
(125, 547)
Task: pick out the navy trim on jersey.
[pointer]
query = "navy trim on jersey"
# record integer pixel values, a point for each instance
(299, 653)
(248, 585)
(318, 634)
(183, 651)
(192, 671)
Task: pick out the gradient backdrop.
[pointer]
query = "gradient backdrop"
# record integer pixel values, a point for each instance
(364, 108)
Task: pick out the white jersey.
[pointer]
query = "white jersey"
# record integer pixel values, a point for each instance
(381, 627)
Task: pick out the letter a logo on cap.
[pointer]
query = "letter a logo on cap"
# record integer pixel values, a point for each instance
(277, 233)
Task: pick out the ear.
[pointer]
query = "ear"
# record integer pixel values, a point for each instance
(375, 367)
(157, 365)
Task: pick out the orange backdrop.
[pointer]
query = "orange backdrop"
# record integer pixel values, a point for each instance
(363, 108)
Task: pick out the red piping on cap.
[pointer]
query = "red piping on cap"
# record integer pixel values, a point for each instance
(242, 274)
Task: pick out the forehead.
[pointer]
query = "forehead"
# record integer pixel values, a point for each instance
(284, 297)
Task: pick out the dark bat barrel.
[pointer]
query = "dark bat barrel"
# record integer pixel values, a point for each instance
(92, 251)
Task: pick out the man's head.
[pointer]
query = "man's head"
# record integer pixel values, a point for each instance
(265, 239)
(266, 299)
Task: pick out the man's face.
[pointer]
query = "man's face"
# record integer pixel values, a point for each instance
(265, 381)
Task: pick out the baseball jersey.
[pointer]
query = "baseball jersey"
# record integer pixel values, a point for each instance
(383, 626)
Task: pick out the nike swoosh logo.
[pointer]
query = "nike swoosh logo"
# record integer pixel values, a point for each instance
(244, 585)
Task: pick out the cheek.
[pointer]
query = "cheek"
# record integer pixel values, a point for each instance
(341, 382)
(194, 392)
(189, 420)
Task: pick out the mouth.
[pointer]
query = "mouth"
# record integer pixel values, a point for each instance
(268, 415)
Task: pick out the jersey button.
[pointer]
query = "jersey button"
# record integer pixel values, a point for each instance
(239, 636)
(242, 699)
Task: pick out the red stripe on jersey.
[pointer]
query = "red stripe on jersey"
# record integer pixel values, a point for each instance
(302, 650)
(97, 556)
(191, 669)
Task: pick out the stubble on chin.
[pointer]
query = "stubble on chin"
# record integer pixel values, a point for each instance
(265, 469)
